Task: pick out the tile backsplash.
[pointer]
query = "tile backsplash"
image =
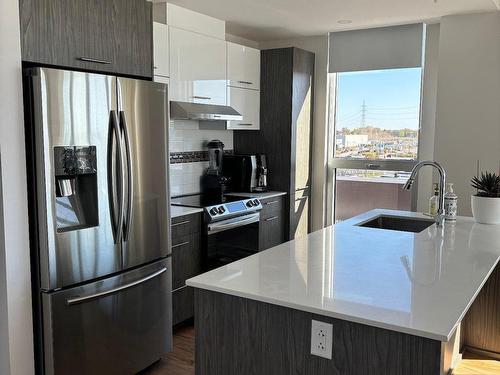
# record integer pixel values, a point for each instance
(185, 136)
(185, 178)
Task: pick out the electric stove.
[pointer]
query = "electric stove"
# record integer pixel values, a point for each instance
(217, 208)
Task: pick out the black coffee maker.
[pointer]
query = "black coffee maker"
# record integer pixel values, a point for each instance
(214, 183)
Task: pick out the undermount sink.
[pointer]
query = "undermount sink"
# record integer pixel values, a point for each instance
(399, 223)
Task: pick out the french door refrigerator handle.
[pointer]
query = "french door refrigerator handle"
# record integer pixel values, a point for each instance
(130, 182)
(81, 299)
(114, 134)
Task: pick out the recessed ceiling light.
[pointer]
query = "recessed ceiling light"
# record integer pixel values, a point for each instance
(344, 22)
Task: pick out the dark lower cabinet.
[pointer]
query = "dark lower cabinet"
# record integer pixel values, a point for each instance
(272, 223)
(183, 304)
(184, 226)
(186, 263)
(186, 257)
(109, 36)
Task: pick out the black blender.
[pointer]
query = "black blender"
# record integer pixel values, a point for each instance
(214, 184)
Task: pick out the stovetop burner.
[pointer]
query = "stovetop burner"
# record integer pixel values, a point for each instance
(219, 209)
(202, 200)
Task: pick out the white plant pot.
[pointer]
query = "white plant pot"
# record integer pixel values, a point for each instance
(486, 210)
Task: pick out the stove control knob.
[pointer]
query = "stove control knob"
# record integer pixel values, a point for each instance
(249, 204)
(214, 211)
(222, 209)
(256, 202)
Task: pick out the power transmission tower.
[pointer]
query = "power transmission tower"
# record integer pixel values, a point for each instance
(364, 111)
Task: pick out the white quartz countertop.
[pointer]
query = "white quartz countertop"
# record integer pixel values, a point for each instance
(263, 195)
(416, 283)
(176, 211)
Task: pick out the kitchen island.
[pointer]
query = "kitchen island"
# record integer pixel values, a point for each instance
(395, 299)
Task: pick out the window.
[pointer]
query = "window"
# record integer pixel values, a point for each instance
(375, 123)
(377, 114)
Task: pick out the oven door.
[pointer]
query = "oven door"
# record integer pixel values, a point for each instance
(232, 239)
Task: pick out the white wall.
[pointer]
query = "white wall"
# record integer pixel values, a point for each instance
(428, 113)
(4, 316)
(16, 270)
(468, 99)
(318, 45)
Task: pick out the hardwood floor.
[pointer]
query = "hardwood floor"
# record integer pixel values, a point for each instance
(474, 364)
(181, 360)
(477, 367)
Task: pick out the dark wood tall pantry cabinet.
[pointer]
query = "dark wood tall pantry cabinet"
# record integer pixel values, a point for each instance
(109, 36)
(285, 135)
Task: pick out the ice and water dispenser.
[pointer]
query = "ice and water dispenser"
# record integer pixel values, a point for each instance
(76, 187)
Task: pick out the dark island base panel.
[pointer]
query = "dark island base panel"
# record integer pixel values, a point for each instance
(481, 325)
(238, 336)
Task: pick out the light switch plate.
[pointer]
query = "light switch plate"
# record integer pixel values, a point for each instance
(321, 339)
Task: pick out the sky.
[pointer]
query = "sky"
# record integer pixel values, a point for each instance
(392, 98)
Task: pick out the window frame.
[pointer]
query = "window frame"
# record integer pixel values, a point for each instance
(335, 163)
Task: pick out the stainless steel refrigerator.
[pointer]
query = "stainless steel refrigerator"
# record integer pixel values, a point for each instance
(99, 222)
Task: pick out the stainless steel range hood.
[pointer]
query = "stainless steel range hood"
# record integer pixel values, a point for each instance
(202, 112)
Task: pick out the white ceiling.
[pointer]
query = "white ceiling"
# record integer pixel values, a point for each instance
(262, 20)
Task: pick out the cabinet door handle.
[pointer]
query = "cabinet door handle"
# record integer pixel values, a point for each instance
(245, 82)
(245, 123)
(180, 223)
(179, 288)
(180, 244)
(272, 218)
(271, 202)
(201, 97)
(92, 60)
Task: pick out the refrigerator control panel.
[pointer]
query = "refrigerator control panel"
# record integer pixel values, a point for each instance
(75, 160)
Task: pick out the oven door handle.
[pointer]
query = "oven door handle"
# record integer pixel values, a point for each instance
(232, 223)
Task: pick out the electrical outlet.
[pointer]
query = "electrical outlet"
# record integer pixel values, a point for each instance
(321, 339)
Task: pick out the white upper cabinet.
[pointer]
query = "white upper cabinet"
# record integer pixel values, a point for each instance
(161, 54)
(197, 68)
(247, 103)
(243, 66)
(161, 79)
(186, 19)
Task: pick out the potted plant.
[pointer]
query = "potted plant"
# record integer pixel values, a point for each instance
(486, 203)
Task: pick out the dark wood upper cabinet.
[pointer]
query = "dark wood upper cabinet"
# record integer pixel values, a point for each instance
(285, 135)
(109, 36)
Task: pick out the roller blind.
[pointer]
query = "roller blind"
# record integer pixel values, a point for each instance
(374, 49)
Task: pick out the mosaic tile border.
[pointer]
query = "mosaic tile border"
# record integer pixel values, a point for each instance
(192, 156)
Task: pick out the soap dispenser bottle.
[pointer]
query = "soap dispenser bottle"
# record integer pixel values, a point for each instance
(434, 200)
(450, 204)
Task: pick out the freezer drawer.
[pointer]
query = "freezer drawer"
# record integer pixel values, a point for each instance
(118, 325)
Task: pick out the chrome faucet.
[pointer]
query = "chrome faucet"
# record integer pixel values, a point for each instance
(442, 183)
